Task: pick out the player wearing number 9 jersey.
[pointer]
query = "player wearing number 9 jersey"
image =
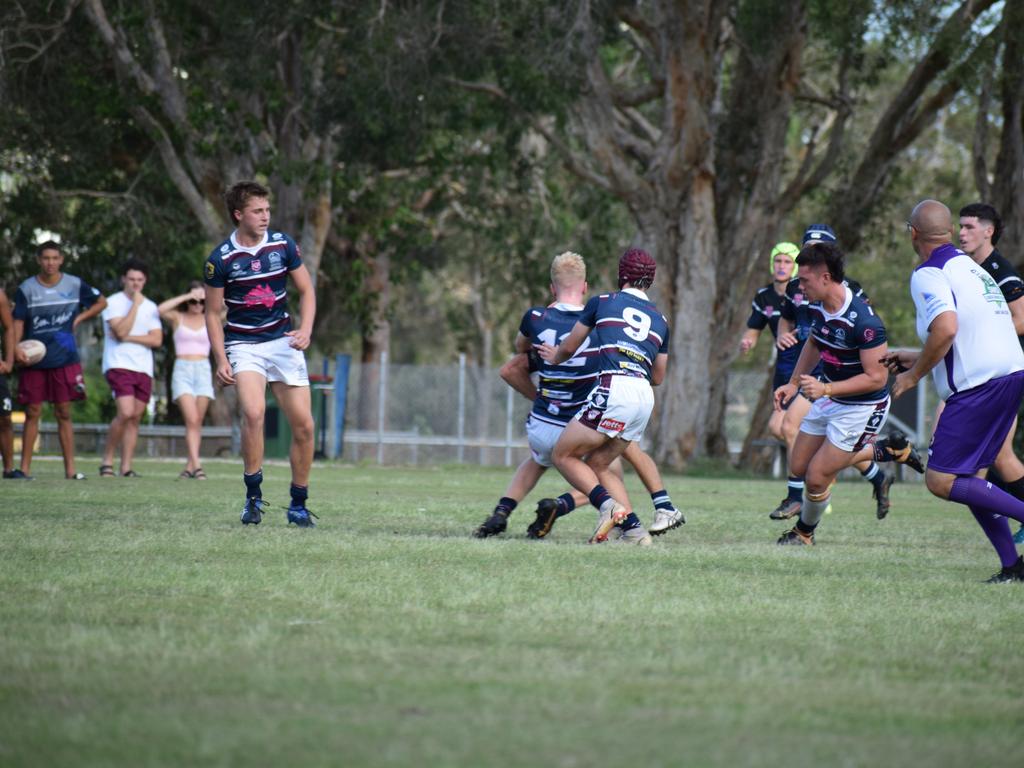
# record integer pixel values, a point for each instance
(631, 338)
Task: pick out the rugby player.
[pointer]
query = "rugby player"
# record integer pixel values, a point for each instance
(850, 405)
(563, 390)
(6, 404)
(977, 365)
(249, 273)
(794, 329)
(631, 338)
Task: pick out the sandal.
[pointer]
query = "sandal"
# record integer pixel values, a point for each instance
(130, 473)
(106, 470)
(185, 475)
(199, 474)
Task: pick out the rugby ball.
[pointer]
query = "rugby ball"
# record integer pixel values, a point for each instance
(33, 349)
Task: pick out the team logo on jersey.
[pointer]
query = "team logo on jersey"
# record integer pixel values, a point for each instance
(275, 260)
(824, 330)
(225, 248)
(853, 315)
(869, 334)
(256, 265)
(840, 334)
(260, 296)
(236, 265)
(798, 298)
(209, 269)
(769, 310)
(278, 236)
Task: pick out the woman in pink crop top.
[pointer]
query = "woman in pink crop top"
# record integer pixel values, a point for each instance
(191, 381)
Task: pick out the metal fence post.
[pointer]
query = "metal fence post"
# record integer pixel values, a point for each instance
(508, 426)
(462, 408)
(382, 394)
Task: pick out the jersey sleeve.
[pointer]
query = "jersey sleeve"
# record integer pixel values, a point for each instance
(1007, 278)
(932, 293)
(788, 310)
(526, 324)
(857, 290)
(213, 271)
(663, 349)
(871, 332)
(293, 257)
(589, 315)
(87, 295)
(20, 308)
(758, 320)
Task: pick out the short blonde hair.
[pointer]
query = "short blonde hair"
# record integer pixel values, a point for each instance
(568, 268)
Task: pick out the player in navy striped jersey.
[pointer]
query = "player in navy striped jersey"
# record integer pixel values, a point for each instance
(561, 391)
(851, 403)
(249, 274)
(794, 329)
(631, 337)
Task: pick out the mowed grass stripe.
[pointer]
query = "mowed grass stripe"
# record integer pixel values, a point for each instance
(143, 625)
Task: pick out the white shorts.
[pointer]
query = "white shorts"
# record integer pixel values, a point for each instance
(277, 360)
(191, 377)
(619, 406)
(542, 436)
(848, 427)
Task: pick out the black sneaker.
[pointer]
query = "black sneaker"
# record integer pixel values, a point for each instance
(1006, 575)
(547, 513)
(881, 496)
(896, 447)
(16, 474)
(795, 537)
(787, 508)
(493, 525)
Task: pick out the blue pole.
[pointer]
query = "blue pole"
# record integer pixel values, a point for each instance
(343, 363)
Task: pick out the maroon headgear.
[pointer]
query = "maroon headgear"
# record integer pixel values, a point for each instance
(636, 267)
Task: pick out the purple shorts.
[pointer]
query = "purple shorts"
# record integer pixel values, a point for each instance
(51, 385)
(974, 424)
(125, 383)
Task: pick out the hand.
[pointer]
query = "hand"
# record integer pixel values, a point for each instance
(299, 338)
(138, 298)
(898, 361)
(199, 294)
(5, 367)
(783, 395)
(546, 352)
(20, 357)
(746, 345)
(224, 374)
(811, 387)
(786, 340)
(903, 382)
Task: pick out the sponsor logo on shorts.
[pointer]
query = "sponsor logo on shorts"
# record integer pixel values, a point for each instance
(612, 425)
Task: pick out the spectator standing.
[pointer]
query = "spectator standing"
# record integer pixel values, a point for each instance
(6, 404)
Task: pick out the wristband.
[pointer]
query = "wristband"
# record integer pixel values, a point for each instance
(828, 390)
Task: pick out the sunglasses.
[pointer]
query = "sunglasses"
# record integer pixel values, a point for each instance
(200, 302)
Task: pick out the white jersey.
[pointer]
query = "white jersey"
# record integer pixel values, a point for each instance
(128, 354)
(985, 346)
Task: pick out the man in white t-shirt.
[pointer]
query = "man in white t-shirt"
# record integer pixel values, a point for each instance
(131, 331)
(971, 348)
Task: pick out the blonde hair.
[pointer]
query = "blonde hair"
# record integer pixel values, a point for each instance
(568, 268)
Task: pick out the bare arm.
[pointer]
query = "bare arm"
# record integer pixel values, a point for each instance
(522, 344)
(786, 338)
(809, 357)
(874, 377)
(1017, 313)
(121, 327)
(19, 334)
(516, 373)
(7, 320)
(659, 369)
(941, 333)
(749, 339)
(565, 350)
(169, 309)
(307, 308)
(214, 306)
(152, 339)
(90, 313)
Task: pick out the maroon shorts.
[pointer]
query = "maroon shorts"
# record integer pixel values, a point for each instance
(51, 385)
(125, 383)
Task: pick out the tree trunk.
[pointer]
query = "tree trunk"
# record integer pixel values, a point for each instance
(376, 337)
(753, 457)
(1008, 186)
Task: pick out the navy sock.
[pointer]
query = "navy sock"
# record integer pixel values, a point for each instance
(631, 521)
(804, 527)
(661, 500)
(795, 488)
(506, 505)
(1015, 489)
(299, 495)
(566, 504)
(598, 495)
(874, 475)
(252, 484)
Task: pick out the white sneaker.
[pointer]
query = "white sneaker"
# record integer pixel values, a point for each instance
(611, 514)
(665, 520)
(638, 536)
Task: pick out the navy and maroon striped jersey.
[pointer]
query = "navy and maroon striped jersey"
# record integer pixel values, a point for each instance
(255, 283)
(628, 331)
(841, 337)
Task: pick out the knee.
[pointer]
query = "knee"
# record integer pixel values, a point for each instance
(817, 484)
(253, 417)
(302, 431)
(939, 484)
(62, 412)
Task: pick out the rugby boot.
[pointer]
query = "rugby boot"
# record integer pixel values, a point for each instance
(896, 447)
(493, 525)
(787, 508)
(1009, 574)
(881, 496)
(665, 520)
(300, 516)
(547, 513)
(252, 512)
(636, 535)
(606, 520)
(795, 537)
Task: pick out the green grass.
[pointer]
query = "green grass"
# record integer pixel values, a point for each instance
(140, 624)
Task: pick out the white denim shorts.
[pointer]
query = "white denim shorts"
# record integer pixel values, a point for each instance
(191, 377)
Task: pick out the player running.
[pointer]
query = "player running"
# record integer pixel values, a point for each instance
(563, 390)
(249, 272)
(850, 406)
(631, 338)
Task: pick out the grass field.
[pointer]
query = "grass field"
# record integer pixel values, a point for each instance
(140, 624)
